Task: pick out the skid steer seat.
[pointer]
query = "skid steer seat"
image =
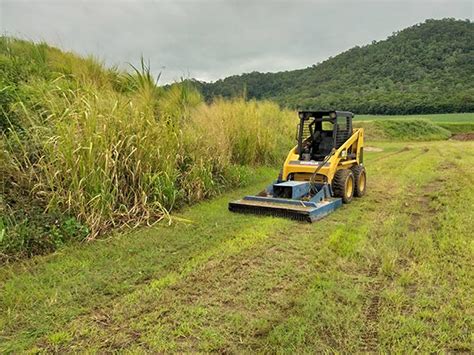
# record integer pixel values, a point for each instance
(323, 146)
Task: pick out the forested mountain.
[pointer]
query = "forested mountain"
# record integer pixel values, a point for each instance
(426, 68)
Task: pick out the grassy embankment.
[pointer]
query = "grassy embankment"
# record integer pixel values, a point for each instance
(453, 122)
(391, 272)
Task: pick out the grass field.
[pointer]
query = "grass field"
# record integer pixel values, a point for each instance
(390, 272)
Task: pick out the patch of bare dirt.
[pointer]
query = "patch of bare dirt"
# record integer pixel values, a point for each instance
(370, 336)
(463, 137)
(424, 213)
(373, 149)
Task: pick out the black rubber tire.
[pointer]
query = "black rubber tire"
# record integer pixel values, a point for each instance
(340, 184)
(360, 178)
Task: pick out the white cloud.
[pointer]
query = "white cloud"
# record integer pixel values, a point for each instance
(211, 39)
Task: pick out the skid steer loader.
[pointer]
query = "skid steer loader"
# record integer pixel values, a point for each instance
(324, 170)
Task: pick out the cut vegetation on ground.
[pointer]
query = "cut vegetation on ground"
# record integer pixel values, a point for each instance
(390, 272)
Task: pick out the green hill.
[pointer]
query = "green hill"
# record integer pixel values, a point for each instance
(426, 68)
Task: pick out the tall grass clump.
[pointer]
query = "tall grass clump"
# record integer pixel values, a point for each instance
(85, 149)
(243, 133)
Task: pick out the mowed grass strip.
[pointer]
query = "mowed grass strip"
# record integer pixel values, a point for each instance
(383, 246)
(43, 294)
(367, 277)
(429, 286)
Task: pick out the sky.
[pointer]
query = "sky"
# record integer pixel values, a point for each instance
(212, 39)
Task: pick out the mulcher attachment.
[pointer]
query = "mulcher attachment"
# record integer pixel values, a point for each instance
(292, 199)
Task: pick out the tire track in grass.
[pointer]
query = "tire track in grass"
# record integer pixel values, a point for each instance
(430, 205)
(390, 155)
(350, 271)
(374, 287)
(243, 297)
(384, 192)
(402, 314)
(371, 312)
(374, 300)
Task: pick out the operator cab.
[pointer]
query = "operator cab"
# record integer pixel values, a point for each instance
(319, 132)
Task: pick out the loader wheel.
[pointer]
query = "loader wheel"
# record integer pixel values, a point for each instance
(360, 178)
(343, 185)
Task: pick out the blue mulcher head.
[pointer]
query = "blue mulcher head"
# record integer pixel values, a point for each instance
(292, 199)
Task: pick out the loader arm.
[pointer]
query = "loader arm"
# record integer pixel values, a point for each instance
(295, 169)
(342, 159)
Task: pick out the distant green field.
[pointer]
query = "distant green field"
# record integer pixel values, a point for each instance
(446, 117)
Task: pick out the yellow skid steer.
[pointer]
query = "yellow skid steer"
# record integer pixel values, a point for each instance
(324, 170)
